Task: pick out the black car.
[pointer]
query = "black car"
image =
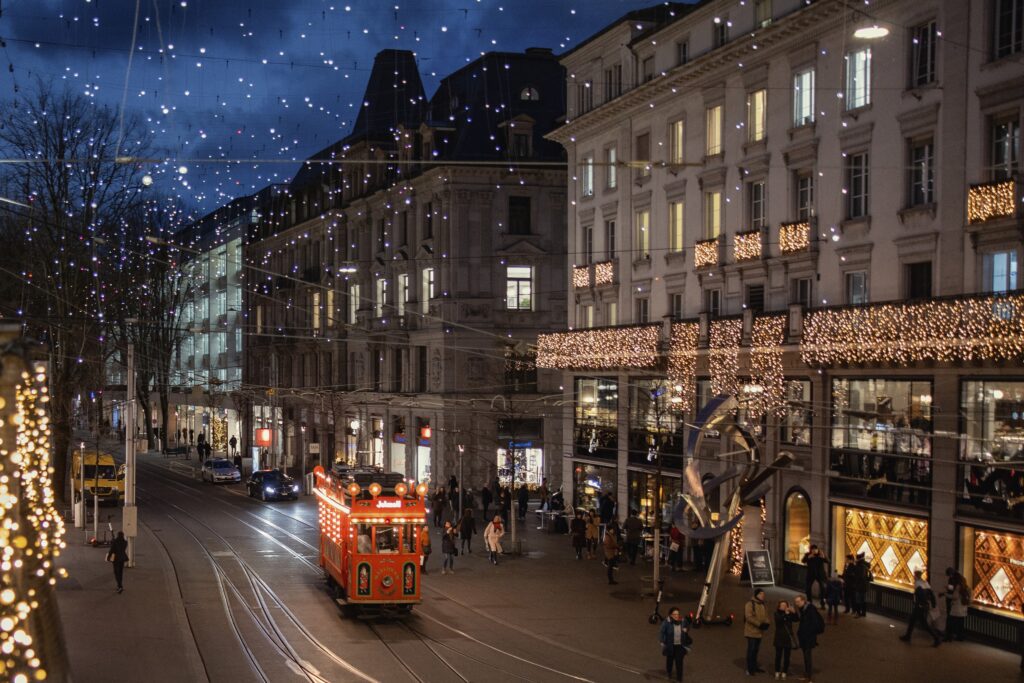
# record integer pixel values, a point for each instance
(272, 485)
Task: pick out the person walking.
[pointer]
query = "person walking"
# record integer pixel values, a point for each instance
(606, 508)
(506, 504)
(611, 551)
(233, 444)
(448, 548)
(118, 556)
(440, 501)
(958, 600)
(817, 573)
(634, 529)
(833, 598)
(849, 569)
(467, 529)
(784, 641)
(924, 603)
(593, 535)
(424, 547)
(544, 494)
(523, 500)
(578, 529)
(492, 538)
(675, 641)
(755, 623)
(486, 498)
(811, 626)
(863, 578)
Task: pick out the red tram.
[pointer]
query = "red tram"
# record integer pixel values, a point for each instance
(370, 523)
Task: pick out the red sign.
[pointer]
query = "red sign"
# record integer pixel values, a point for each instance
(264, 437)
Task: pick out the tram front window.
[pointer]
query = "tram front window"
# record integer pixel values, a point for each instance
(363, 545)
(409, 538)
(387, 539)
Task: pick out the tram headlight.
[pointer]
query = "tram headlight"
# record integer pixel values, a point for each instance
(421, 490)
(295, 487)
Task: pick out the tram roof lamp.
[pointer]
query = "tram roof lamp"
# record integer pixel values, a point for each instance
(354, 489)
(374, 489)
(421, 490)
(400, 489)
(872, 32)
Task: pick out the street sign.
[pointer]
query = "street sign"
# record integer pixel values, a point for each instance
(314, 449)
(759, 568)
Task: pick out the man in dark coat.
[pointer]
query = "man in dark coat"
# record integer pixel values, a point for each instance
(862, 577)
(485, 499)
(118, 555)
(811, 626)
(606, 508)
(817, 573)
(523, 499)
(924, 602)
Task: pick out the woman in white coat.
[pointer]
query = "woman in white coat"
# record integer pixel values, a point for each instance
(492, 538)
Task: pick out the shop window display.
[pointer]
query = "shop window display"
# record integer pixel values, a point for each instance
(596, 417)
(642, 487)
(798, 527)
(590, 482)
(894, 545)
(796, 420)
(991, 562)
(992, 447)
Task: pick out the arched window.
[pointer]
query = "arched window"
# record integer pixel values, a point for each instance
(529, 94)
(797, 531)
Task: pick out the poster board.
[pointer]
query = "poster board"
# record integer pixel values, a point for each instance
(759, 568)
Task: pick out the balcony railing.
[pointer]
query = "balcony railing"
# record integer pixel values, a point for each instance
(604, 273)
(705, 253)
(581, 277)
(902, 479)
(794, 237)
(988, 201)
(747, 246)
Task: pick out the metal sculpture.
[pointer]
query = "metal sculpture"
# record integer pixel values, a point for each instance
(717, 416)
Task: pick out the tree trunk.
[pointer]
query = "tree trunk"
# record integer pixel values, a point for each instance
(164, 417)
(60, 426)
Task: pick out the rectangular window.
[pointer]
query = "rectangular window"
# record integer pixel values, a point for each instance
(611, 313)
(803, 97)
(1009, 28)
(800, 291)
(353, 302)
(428, 220)
(754, 299)
(804, 198)
(647, 70)
(858, 79)
(519, 288)
(999, 271)
(616, 80)
(520, 145)
(381, 300)
(918, 280)
(587, 244)
(611, 179)
(795, 427)
(720, 31)
(676, 140)
(609, 240)
(762, 13)
(314, 305)
(608, 85)
(1005, 136)
(757, 205)
(329, 309)
(519, 215)
(642, 313)
(675, 305)
(643, 153)
(682, 52)
(857, 185)
(403, 228)
(403, 293)
(426, 290)
(923, 40)
(642, 248)
(712, 214)
(586, 316)
(922, 173)
(857, 287)
(713, 302)
(587, 179)
(757, 113)
(713, 130)
(585, 96)
(675, 226)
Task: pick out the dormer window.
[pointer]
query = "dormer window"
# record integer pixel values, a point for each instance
(529, 94)
(519, 132)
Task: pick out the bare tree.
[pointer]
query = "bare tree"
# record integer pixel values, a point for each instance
(78, 194)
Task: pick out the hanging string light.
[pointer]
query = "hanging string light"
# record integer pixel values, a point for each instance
(991, 200)
(705, 253)
(767, 336)
(723, 355)
(604, 273)
(682, 364)
(747, 246)
(794, 237)
(580, 277)
(736, 548)
(602, 349)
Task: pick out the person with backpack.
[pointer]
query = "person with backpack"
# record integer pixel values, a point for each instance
(784, 641)
(811, 626)
(924, 602)
(675, 641)
(755, 623)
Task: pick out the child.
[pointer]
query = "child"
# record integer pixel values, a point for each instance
(834, 597)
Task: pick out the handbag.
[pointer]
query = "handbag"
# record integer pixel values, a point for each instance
(110, 557)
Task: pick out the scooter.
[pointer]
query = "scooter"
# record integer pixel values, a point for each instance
(656, 618)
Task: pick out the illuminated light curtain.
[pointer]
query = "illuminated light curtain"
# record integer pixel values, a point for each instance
(767, 336)
(982, 328)
(682, 364)
(618, 347)
(723, 355)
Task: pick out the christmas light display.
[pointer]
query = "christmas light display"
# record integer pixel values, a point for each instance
(747, 245)
(991, 200)
(723, 355)
(736, 549)
(705, 253)
(602, 349)
(604, 273)
(682, 364)
(794, 237)
(977, 328)
(580, 277)
(767, 337)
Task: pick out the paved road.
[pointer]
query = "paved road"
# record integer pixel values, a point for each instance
(228, 590)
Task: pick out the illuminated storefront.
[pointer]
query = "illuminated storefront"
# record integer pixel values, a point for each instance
(798, 527)
(993, 563)
(642, 487)
(895, 545)
(992, 449)
(528, 465)
(589, 482)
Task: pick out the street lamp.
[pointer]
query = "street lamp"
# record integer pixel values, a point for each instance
(871, 32)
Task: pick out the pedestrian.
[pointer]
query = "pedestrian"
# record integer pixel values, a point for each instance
(634, 529)
(833, 597)
(755, 623)
(523, 501)
(606, 508)
(118, 555)
(424, 547)
(811, 626)
(578, 529)
(675, 641)
(440, 502)
(448, 548)
(611, 551)
(593, 535)
(849, 569)
(675, 548)
(958, 600)
(924, 603)
(863, 578)
(492, 538)
(467, 529)
(543, 491)
(233, 444)
(817, 573)
(506, 504)
(784, 640)
(486, 498)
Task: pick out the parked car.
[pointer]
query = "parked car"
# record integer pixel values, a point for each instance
(272, 485)
(220, 470)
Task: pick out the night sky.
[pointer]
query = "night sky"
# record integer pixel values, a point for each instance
(274, 80)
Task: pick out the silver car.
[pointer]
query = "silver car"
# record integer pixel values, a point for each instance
(219, 471)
